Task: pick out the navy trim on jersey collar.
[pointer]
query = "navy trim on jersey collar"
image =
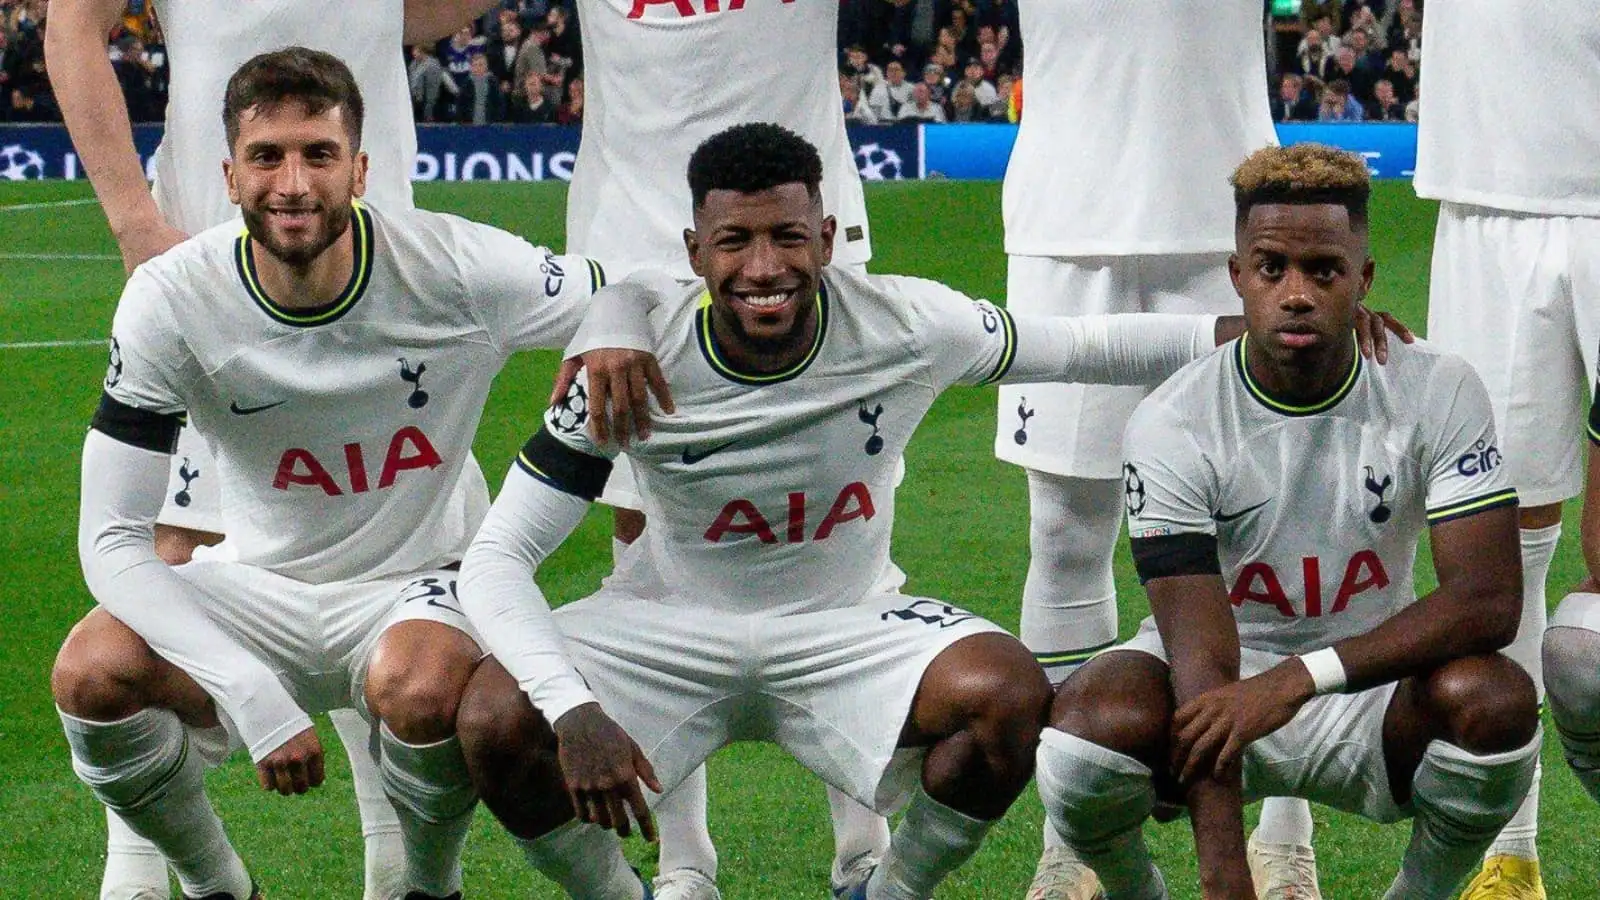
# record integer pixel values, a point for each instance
(360, 275)
(1289, 409)
(706, 338)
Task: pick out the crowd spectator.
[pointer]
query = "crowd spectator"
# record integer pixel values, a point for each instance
(892, 94)
(572, 110)
(1316, 54)
(432, 89)
(1401, 73)
(455, 53)
(528, 106)
(1338, 105)
(983, 89)
(504, 50)
(1294, 102)
(480, 101)
(921, 109)
(855, 109)
(938, 86)
(1385, 106)
(964, 105)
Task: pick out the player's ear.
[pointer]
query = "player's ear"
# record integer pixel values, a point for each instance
(1369, 271)
(830, 227)
(233, 185)
(691, 244)
(1235, 273)
(358, 176)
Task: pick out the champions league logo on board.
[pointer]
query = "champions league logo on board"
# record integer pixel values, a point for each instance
(18, 163)
(879, 163)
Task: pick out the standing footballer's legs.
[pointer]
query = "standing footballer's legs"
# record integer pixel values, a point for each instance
(1572, 677)
(511, 755)
(124, 711)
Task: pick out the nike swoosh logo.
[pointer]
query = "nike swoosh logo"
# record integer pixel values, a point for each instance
(251, 410)
(1221, 516)
(690, 459)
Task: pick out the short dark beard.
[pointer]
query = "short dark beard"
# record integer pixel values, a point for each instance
(335, 222)
(774, 353)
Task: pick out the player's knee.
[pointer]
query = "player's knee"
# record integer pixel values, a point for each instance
(627, 524)
(417, 678)
(1120, 701)
(1486, 703)
(103, 670)
(496, 722)
(1570, 681)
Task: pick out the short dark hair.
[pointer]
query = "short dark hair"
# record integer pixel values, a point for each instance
(755, 156)
(318, 80)
(1303, 174)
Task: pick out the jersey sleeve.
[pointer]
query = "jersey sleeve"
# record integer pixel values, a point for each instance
(1466, 472)
(530, 297)
(1170, 489)
(142, 403)
(965, 341)
(561, 453)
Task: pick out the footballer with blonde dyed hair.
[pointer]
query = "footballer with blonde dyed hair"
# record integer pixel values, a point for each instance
(1276, 490)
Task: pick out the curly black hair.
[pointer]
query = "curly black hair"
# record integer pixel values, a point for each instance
(755, 156)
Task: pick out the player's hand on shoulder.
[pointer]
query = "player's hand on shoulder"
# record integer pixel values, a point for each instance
(602, 768)
(139, 245)
(620, 383)
(293, 768)
(1373, 328)
(1211, 732)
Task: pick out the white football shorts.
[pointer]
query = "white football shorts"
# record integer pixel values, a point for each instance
(1076, 429)
(833, 687)
(1518, 295)
(1331, 752)
(318, 638)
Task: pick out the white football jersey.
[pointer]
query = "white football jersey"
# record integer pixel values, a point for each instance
(1508, 113)
(1315, 510)
(660, 76)
(343, 435)
(1135, 112)
(207, 41)
(775, 492)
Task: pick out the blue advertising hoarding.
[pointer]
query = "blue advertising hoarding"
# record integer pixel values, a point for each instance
(449, 152)
(540, 152)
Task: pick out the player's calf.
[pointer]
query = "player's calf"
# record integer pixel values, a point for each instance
(1460, 744)
(1097, 765)
(1572, 684)
(414, 684)
(511, 754)
(120, 705)
(978, 710)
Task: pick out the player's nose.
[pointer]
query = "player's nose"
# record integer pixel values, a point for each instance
(765, 262)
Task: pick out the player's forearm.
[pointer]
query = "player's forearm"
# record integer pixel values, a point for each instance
(1113, 349)
(95, 113)
(499, 595)
(122, 493)
(618, 318)
(1457, 620)
(430, 20)
(1216, 813)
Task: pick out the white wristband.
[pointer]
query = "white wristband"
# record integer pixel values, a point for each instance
(1327, 670)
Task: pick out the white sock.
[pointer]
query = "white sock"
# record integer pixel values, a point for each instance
(586, 861)
(681, 823)
(1285, 820)
(1098, 800)
(1052, 838)
(1520, 836)
(380, 824)
(617, 549)
(433, 795)
(1571, 661)
(1069, 601)
(142, 768)
(931, 841)
(1462, 801)
(857, 831)
(135, 869)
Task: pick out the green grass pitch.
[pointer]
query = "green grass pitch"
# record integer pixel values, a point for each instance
(962, 536)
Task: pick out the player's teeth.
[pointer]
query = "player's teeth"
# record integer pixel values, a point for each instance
(767, 300)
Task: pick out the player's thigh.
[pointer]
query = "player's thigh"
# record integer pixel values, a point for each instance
(1189, 284)
(106, 671)
(1501, 295)
(194, 496)
(417, 662)
(1068, 429)
(1331, 752)
(1583, 255)
(674, 677)
(841, 683)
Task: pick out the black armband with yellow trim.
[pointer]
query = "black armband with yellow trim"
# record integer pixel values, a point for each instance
(562, 467)
(1172, 555)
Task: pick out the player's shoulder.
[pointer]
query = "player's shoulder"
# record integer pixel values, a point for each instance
(909, 301)
(1423, 370)
(1195, 387)
(201, 260)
